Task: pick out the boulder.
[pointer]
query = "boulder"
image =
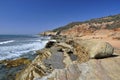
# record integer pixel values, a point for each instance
(93, 48)
(16, 62)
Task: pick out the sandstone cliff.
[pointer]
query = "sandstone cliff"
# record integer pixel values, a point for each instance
(110, 22)
(93, 27)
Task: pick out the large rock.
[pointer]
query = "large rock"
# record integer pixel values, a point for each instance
(17, 62)
(37, 68)
(9, 68)
(100, 69)
(93, 48)
(47, 60)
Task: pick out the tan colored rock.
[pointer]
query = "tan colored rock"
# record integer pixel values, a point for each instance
(64, 45)
(51, 64)
(45, 53)
(33, 70)
(101, 69)
(94, 48)
(46, 61)
(67, 61)
(116, 35)
(36, 69)
(48, 33)
(101, 50)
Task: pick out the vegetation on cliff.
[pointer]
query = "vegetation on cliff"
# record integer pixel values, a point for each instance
(109, 22)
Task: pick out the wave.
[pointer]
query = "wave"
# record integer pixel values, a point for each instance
(6, 42)
(39, 40)
(14, 51)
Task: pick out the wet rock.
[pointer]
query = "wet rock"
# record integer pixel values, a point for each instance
(16, 62)
(8, 69)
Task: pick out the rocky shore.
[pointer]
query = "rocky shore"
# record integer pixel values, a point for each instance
(71, 59)
(88, 50)
(9, 68)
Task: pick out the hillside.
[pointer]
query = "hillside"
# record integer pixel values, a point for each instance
(109, 22)
(105, 26)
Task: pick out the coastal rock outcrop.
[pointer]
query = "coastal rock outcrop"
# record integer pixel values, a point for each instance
(49, 33)
(64, 61)
(36, 69)
(17, 62)
(94, 69)
(9, 68)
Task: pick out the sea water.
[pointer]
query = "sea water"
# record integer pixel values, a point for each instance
(14, 46)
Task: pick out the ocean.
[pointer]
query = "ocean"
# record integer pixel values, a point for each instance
(15, 46)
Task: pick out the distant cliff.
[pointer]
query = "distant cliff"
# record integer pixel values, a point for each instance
(90, 26)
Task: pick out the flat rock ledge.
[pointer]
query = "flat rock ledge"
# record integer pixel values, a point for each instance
(102, 69)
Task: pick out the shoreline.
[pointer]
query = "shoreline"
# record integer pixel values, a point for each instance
(9, 67)
(55, 58)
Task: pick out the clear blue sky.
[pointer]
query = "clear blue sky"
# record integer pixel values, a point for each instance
(34, 16)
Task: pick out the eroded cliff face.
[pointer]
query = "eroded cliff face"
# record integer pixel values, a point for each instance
(105, 27)
(72, 61)
(87, 30)
(78, 30)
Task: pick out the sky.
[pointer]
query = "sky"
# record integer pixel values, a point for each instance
(35, 16)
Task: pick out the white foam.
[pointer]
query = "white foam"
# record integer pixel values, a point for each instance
(39, 40)
(53, 40)
(7, 52)
(5, 42)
